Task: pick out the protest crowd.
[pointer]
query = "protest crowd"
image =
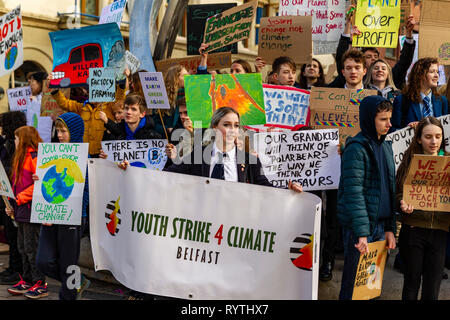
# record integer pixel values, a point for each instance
(372, 146)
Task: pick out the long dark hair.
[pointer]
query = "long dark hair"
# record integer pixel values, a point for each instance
(320, 80)
(10, 121)
(416, 148)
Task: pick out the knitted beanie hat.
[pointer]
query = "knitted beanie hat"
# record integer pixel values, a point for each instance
(74, 124)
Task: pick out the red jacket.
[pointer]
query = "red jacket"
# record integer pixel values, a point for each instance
(24, 188)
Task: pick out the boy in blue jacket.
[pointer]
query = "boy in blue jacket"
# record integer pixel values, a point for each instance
(59, 245)
(366, 192)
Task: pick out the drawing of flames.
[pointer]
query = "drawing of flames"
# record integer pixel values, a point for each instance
(114, 222)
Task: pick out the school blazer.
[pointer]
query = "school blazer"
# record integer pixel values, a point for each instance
(248, 171)
(413, 113)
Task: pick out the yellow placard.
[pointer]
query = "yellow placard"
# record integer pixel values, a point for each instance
(379, 22)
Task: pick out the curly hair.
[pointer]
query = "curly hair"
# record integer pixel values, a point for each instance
(171, 83)
(416, 76)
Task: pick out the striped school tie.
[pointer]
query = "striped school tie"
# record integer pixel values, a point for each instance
(426, 107)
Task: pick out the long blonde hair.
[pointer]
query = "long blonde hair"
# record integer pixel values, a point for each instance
(171, 83)
(390, 78)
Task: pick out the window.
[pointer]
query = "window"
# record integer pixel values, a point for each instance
(90, 7)
(75, 56)
(91, 53)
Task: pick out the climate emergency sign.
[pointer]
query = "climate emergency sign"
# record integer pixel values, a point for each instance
(427, 185)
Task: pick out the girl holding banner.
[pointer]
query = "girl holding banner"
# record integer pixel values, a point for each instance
(423, 236)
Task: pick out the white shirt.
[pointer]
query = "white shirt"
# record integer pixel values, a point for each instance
(229, 163)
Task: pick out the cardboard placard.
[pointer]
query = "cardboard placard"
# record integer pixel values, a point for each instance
(230, 26)
(11, 41)
(337, 108)
(369, 273)
(427, 185)
(102, 85)
(405, 10)
(309, 157)
(216, 61)
(242, 92)
(155, 93)
(196, 20)
(113, 12)
(148, 154)
(378, 22)
(49, 106)
(19, 98)
(285, 36)
(434, 40)
(328, 21)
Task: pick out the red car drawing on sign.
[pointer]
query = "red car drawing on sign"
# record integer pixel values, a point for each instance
(81, 59)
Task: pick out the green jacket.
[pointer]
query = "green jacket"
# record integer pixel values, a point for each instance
(359, 186)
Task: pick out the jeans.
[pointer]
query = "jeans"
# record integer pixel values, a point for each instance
(423, 254)
(351, 257)
(59, 248)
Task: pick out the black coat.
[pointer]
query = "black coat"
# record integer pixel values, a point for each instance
(117, 131)
(249, 169)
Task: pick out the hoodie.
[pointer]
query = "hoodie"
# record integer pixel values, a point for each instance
(75, 125)
(367, 114)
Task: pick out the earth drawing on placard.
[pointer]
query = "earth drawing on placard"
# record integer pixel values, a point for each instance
(59, 180)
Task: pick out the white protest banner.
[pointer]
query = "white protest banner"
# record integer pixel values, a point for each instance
(11, 42)
(19, 98)
(445, 120)
(309, 157)
(5, 185)
(154, 90)
(132, 62)
(327, 24)
(58, 194)
(42, 124)
(192, 237)
(102, 84)
(140, 153)
(113, 12)
(401, 139)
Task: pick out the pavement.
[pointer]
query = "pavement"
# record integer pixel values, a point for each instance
(104, 287)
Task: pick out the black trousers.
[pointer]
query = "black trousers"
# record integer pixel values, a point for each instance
(27, 241)
(15, 259)
(332, 228)
(423, 255)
